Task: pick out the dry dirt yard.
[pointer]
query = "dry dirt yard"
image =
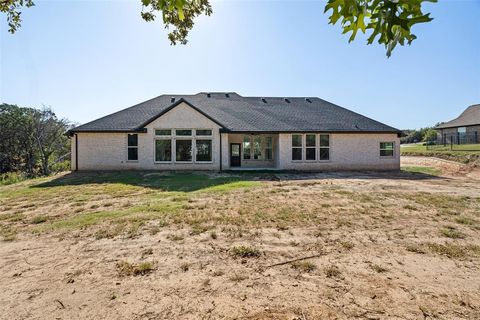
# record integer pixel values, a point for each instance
(142, 245)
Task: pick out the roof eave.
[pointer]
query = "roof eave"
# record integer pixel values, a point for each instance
(136, 130)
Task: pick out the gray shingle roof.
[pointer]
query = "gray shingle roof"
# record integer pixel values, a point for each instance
(469, 117)
(251, 114)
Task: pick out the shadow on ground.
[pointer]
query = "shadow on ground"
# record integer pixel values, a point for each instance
(193, 181)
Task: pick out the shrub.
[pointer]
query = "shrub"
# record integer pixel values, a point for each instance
(39, 219)
(245, 252)
(11, 178)
(332, 272)
(125, 268)
(305, 266)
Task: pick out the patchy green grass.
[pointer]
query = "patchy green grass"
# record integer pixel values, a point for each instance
(11, 178)
(8, 233)
(39, 219)
(448, 148)
(451, 232)
(462, 153)
(424, 170)
(112, 204)
(450, 250)
(466, 221)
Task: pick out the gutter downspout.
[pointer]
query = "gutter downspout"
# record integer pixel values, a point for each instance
(76, 152)
(220, 150)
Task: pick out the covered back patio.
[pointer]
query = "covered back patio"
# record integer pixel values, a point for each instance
(251, 151)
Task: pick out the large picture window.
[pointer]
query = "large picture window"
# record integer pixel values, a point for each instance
(387, 149)
(324, 147)
(204, 150)
(297, 147)
(132, 147)
(183, 150)
(311, 147)
(163, 150)
(183, 145)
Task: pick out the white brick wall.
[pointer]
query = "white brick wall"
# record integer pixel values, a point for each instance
(347, 152)
(108, 151)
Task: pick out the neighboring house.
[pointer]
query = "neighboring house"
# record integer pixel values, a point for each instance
(224, 131)
(464, 129)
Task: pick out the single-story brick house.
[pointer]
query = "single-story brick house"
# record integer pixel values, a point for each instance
(464, 129)
(225, 131)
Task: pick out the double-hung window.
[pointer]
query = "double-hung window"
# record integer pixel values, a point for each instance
(163, 145)
(387, 149)
(297, 149)
(310, 147)
(324, 147)
(132, 147)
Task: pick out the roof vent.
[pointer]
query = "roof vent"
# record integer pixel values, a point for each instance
(172, 99)
(357, 127)
(264, 100)
(227, 95)
(209, 95)
(308, 100)
(286, 100)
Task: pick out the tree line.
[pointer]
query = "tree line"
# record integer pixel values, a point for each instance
(32, 141)
(421, 135)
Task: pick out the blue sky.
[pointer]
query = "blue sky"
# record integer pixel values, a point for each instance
(87, 59)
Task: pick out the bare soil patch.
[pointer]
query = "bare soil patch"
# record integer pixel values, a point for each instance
(257, 246)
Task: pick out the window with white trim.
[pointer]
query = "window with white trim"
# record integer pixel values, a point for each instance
(132, 147)
(203, 132)
(387, 149)
(163, 132)
(297, 149)
(163, 150)
(183, 145)
(203, 150)
(310, 147)
(163, 145)
(324, 147)
(268, 148)
(183, 150)
(257, 148)
(246, 147)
